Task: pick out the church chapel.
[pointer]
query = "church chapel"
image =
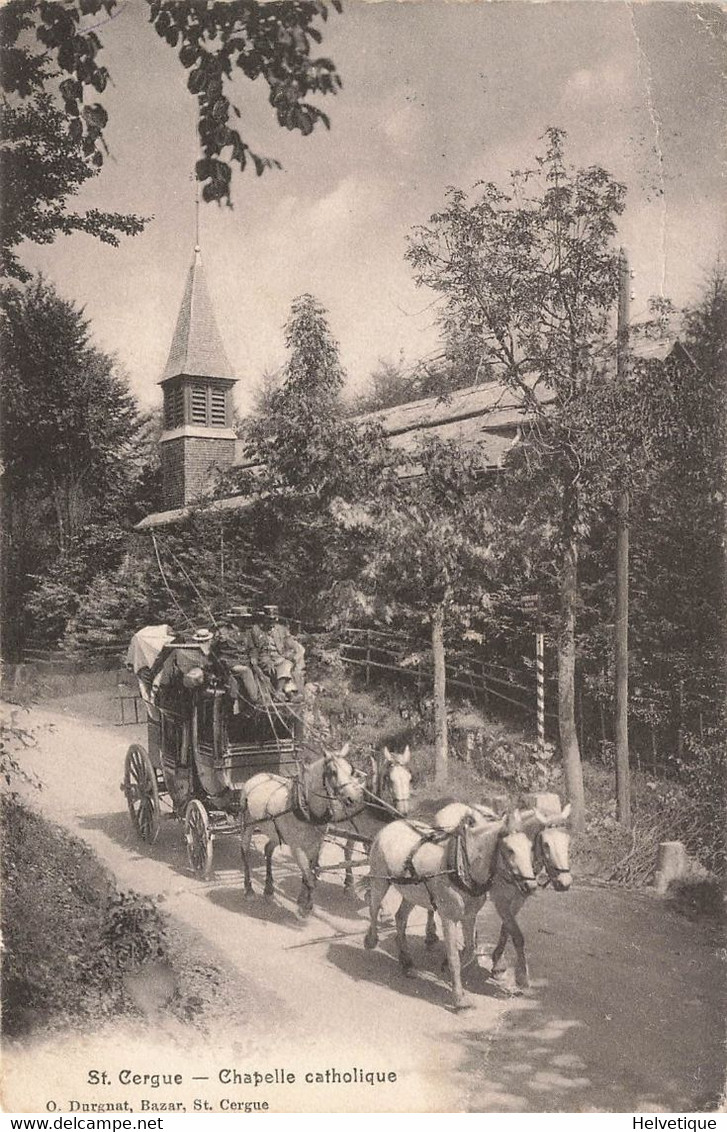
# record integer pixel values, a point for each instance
(198, 435)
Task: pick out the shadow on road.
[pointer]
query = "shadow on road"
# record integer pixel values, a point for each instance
(627, 1015)
(429, 983)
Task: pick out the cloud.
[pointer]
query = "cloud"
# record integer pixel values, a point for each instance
(403, 123)
(589, 86)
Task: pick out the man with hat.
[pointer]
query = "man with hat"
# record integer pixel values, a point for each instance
(284, 654)
(237, 649)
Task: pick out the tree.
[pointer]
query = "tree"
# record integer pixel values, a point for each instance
(679, 526)
(391, 383)
(460, 364)
(74, 452)
(425, 555)
(535, 273)
(52, 47)
(306, 458)
(41, 167)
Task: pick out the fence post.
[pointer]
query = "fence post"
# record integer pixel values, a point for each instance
(368, 656)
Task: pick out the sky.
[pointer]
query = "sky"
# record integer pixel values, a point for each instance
(435, 94)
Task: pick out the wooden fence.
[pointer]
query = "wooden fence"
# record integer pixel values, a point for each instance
(367, 650)
(374, 650)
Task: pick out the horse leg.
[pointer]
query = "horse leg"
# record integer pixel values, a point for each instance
(245, 840)
(430, 935)
(508, 905)
(469, 931)
(269, 850)
(522, 978)
(402, 915)
(348, 857)
(449, 930)
(305, 897)
(498, 967)
(377, 892)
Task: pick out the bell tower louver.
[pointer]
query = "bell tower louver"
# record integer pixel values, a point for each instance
(197, 383)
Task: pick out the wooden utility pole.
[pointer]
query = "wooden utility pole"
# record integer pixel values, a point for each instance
(621, 617)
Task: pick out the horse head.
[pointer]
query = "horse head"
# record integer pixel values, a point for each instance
(514, 862)
(395, 776)
(340, 780)
(551, 847)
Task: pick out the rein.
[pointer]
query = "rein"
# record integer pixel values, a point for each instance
(382, 804)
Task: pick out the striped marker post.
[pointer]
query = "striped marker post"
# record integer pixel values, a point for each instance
(540, 668)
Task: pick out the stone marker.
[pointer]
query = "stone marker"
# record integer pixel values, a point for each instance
(672, 864)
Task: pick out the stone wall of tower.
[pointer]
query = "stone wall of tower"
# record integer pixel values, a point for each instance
(187, 466)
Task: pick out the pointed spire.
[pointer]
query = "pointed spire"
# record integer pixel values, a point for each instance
(197, 348)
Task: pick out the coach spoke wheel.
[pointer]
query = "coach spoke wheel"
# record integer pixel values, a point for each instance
(197, 836)
(142, 794)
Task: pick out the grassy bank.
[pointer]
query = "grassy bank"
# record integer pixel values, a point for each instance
(79, 952)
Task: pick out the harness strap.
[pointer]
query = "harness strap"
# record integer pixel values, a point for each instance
(426, 837)
(301, 809)
(461, 871)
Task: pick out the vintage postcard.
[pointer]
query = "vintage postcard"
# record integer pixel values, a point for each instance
(363, 557)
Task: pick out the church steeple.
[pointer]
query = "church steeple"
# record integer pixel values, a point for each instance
(197, 383)
(197, 348)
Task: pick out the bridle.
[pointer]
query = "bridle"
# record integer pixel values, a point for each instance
(553, 872)
(508, 874)
(333, 787)
(384, 780)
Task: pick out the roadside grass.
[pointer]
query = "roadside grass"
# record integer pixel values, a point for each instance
(79, 952)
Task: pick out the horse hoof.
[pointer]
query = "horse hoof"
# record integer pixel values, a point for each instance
(269, 890)
(248, 894)
(370, 941)
(408, 970)
(462, 1004)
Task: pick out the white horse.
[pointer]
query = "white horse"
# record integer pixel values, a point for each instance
(550, 847)
(296, 812)
(447, 871)
(388, 792)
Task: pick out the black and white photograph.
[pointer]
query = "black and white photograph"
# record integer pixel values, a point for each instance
(363, 579)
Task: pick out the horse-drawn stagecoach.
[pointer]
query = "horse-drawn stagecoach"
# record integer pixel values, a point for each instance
(207, 735)
(224, 752)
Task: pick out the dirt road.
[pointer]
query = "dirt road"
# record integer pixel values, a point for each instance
(625, 1013)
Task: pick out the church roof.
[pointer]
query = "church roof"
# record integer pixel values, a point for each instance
(197, 348)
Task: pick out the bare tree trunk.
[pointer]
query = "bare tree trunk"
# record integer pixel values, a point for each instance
(621, 657)
(441, 751)
(570, 750)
